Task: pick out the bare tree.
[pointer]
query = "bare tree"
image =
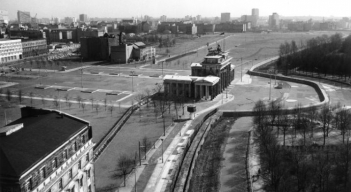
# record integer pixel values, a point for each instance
(324, 116)
(20, 96)
(105, 103)
(97, 107)
(79, 99)
(124, 166)
(148, 93)
(43, 101)
(146, 145)
(31, 98)
(69, 104)
(56, 102)
(92, 102)
(8, 95)
(66, 98)
(83, 106)
(111, 108)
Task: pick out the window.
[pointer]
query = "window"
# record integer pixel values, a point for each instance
(89, 188)
(81, 182)
(64, 154)
(87, 157)
(28, 185)
(60, 185)
(70, 174)
(75, 146)
(83, 139)
(79, 164)
(54, 163)
(42, 173)
(88, 173)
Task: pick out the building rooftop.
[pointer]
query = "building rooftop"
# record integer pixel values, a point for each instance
(177, 77)
(43, 132)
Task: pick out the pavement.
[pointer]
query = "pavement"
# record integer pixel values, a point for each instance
(157, 181)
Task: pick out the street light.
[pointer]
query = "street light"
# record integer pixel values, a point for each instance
(162, 149)
(132, 73)
(81, 72)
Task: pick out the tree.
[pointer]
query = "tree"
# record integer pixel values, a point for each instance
(43, 101)
(83, 106)
(146, 145)
(324, 116)
(56, 102)
(69, 105)
(31, 98)
(97, 107)
(148, 92)
(92, 102)
(124, 166)
(8, 95)
(260, 113)
(66, 98)
(105, 103)
(79, 99)
(111, 108)
(20, 96)
(343, 117)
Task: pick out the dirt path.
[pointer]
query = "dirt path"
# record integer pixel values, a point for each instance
(232, 172)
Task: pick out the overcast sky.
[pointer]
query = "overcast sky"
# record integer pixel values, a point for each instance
(175, 8)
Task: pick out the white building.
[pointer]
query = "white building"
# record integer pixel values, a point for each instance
(10, 50)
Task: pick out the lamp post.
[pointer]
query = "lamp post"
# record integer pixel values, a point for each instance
(162, 149)
(241, 69)
(135, 187)
(81, 72)
(132, 74)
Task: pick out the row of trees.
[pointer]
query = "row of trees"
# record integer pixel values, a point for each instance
(305, 168)
(328, 55)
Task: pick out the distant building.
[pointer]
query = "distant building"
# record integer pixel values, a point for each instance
(4, 17)
(273, 21)
(10, 50)
(325, 26)
(46, 150)
(231, 27)
(33, 48)
(256, 15)
(208, 78)
(163, 18)
(198, 18)
(26, 34)
(225, 17)
(94, 48)
(83, 18)
(23, 17)
(69, 20)
(299, 26)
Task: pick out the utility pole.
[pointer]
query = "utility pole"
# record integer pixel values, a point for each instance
(81, 72)
(270, 86)
(162, 149)
(241, 69)
(132, 74)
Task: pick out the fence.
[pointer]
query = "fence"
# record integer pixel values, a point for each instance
(177, 182)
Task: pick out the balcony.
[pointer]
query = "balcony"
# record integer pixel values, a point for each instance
(63, 169)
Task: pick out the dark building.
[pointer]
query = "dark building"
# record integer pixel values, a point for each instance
(26, 34)
(231, 27)
(46, 150)
(94, 48)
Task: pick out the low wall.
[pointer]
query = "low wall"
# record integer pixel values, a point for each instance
(323, 97)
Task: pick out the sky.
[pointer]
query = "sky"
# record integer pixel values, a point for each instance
(175, 8)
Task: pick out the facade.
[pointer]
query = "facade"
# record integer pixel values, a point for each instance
(273, 21)
(231, 27)
(34, 48)
(225, 17)
(207, 80)
(121, 53)
(10, 50)
(83, 17)
(26, 34)
(46, 151)
(4, 17)
(94, 48)
(163, 18)
(23, 17)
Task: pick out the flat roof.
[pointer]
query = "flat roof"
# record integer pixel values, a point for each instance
(41, 135)
(177, 77)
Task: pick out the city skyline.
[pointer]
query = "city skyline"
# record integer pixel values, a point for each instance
(173, 9)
